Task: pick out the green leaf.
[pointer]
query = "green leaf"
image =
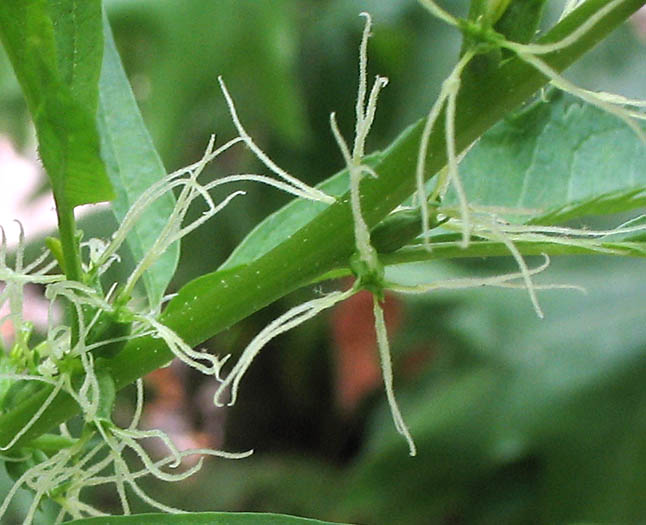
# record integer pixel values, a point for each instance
(202, 518)
(28, 37)
(79, 43)
(69, 147)
(133, 165)
(281, 224)
(6, 367)
(65, 125)
(557, 160)
(487, 11)
(107, 395)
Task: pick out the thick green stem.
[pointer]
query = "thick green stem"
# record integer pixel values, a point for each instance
(216, 301)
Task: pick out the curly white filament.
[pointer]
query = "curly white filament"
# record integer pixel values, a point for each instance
(313, 193)
(290, 319)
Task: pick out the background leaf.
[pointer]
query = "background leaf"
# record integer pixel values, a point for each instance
(177, 41)
(561, 159)
(522, 405)
(202, 518)
(133, 165)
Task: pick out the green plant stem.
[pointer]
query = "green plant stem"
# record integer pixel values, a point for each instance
(71, 257)
(69, 242)
(481, 249)
(216, 301)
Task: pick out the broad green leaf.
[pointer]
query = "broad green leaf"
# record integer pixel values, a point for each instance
(65, 124)
(133, 165)
(202, 518)
(557, 161)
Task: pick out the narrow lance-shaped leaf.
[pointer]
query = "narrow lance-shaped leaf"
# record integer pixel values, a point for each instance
(556, 160)
(65, 124)
(133, 165)
(520, 20)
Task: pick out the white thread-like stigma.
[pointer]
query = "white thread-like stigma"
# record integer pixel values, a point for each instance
(290, 319)
(365, 114)
(387, 371)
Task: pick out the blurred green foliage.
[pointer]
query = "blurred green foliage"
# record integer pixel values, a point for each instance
(517, 420)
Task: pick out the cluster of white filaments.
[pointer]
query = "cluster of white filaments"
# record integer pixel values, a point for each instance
(365, 114)
(90, 462)
(96, 457)
(469, 219)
